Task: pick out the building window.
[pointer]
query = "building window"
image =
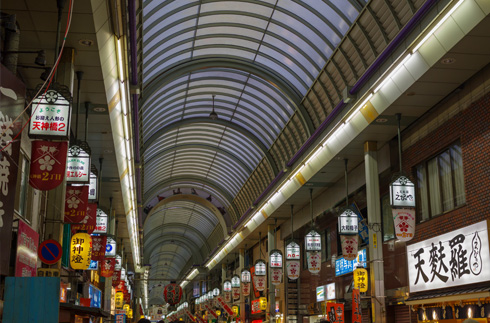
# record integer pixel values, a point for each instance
(24, 190)
(388, 226)
(440, 183)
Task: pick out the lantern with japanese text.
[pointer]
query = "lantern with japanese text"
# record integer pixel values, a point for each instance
(275, 262)
(260, 275)
(348, 231)
(246, 278)
(402, 201)
(313, 246)
(172, 294)
(293, 266)
(227, 290)
(263, 303)
(119, 299)
(235, 287)
(80, 251)
(361, 279)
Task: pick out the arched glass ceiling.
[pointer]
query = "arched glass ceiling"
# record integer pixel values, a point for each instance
(292, 38)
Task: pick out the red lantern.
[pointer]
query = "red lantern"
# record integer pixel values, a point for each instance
(172, 294)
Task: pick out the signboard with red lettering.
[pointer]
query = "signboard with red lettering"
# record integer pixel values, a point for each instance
(26, 260)
(77, 165)
(101, 222)
(256, 306)
(335, 312)
(48, 163)
(189, 315)
(50, 117)
(98, 248)
(88, 223)
(76, 202)
(210, 311)
(224, 305)
(12, 102)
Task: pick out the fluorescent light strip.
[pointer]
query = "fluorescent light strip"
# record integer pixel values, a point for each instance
(443, 19)
(122, 94)
(120, 59)
(359, 107)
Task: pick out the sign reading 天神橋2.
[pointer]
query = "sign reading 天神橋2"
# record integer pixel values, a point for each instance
(456, 258)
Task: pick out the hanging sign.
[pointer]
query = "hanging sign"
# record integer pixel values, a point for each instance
(110, 248)
(48, 163)
(77, 166)
(93, 194)
(263, 303)
(361, 279)
(246, 289)
(228, 296)
(275, 259)
(50, 251)
(116, 276)
(350, 245)
(87, 224)
(335, 312)
(313, 241)
(320, 293)
(107, 267)
(404, 222)
(118, 265)
(293, 268)
(356, 306)
(236, 293)
(80, 251)
(314, 261)
(330, 291)
(460, 257)
(98, 247)
(50, 117)
(260, 268)
(172, 294)
(260, 282)
(119, 299)
(26, 259)
(343, 266)
(94, 265)
(76, 203)
(224, 305)
(402, 193)
(101, 226)
(292, 251)
(256, 306)
(276, 276)
(246, 276)
(348, 222)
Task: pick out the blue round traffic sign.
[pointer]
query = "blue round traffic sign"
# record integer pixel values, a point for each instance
(49, 252)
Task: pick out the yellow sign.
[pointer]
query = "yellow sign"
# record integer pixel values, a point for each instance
(263, 303)
(361, 279)
(235, 310)
(119, 299)
(80, 251)
(218, 312)
(126, 309)
(130, 313)
(375, 240)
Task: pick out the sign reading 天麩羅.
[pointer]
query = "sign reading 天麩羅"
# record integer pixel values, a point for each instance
(456, 258)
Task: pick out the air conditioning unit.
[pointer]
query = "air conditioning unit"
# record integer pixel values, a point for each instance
(48, 272)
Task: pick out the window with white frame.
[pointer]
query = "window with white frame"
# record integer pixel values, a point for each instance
(440, 183)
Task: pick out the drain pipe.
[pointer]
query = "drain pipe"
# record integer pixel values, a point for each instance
(134, 83)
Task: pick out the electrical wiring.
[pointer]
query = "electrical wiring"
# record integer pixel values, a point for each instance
(49, 78)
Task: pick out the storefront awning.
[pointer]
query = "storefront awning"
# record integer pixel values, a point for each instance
(450, 295)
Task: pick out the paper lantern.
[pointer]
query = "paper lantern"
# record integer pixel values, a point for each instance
(349, 246)
(263, 303)
(314, 261)
(361, 279)
(235, 281)
(119, 299)
(246, 276)
(236, 310)
(260, 268)
(80, 251)
(126, 308)
(216, 292)
(293, 268)
(172, 294)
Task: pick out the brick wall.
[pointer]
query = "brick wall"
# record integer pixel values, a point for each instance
(472, 127)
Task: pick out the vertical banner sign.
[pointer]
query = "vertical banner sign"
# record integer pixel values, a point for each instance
(210, 311)
(356, 306)
(224, 305)
(50, 115)
(78, 166)
(88, 223)
(189, 315)
(335, 312)
(48, 163)
(116, 276)
(27, 243)
(404, 222)
(12, 101)
(98, 247)
(76, 202)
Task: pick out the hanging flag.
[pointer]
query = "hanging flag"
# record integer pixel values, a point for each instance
(107, 267)
(314, 261)
(98, 248)
(404, 222)
(293, 268)
(350, 245)
(88, 223)
(76, 202)
(356, 306)
(48, 163)
(116, 276)
(335, 312)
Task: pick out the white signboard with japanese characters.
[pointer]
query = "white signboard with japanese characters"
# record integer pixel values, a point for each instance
(313, 241)
(402, 193)
(92, 188)
(460, 257)
(101, 226)
(77, 165)
(50, 116)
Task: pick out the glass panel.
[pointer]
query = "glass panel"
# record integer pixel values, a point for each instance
(388, 226)
(423, 193)
(457, 165)
(434, 188)
(446, 180)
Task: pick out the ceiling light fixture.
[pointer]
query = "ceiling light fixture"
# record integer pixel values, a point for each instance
(213, 115)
